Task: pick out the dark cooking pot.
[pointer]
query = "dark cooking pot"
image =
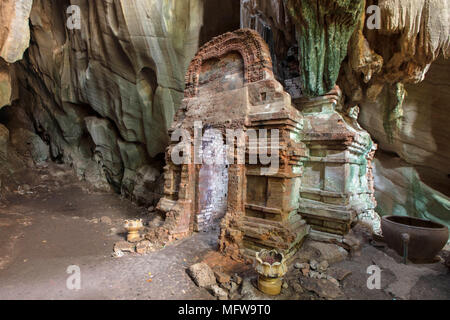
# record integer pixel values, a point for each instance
(423, 239)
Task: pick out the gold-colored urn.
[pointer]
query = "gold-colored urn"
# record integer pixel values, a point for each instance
(271, 267)
(133, 227)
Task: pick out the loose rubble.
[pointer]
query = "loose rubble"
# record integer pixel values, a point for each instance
(323, 287)
(202, 275)
(124, 246)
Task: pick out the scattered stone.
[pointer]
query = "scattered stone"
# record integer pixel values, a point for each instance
(323, 287)
(301, 266)
(314, 274)
(285, 285)
(20, 191)
(226, 286)
(118, 254)
(124, 246)
(156, 221)
(202, 275)
(330, 278)
(305, 271)
(313, 264)
(222, 277)
(218, 292)
(113, 231)
(297, 287)
(328, 251)
(143, 247)
(249, 292)
(339, 274)
(322, 275)
(106, 220)
(323, 266)
(234, 290)
(237, 279)
(151, 209)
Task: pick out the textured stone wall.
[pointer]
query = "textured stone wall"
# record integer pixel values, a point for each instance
(104, 96)
(14, 40)
(412, 176)
(14, 29)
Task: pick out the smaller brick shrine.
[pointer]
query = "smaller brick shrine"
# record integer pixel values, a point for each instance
(230, 86)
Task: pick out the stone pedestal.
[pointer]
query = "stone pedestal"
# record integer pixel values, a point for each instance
(337, 185)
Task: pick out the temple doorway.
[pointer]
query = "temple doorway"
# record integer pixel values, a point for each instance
(212, 183)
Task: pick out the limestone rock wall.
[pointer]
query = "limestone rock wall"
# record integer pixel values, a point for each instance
(14, 29)
(6, 84)
(422, 140)
(411, 35)
(127, 62)
(400, 78)
(102, 97)
(14, 40)
(412, 176)
(402, 190)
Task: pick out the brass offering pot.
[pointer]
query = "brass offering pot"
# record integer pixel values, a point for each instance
(271, 267)
(133, 227)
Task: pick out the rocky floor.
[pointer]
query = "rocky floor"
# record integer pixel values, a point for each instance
(57, 222)
(398, 281)
(349, 275)
(50, 221)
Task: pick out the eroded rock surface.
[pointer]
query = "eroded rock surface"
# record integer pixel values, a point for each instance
(101, 97)
(14, 40)
(14, 29)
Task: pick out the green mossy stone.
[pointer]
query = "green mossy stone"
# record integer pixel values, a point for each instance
(323, 28)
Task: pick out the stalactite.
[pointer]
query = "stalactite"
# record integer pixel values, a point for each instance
(323, 31)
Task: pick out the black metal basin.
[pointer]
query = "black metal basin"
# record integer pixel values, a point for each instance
(422, 239)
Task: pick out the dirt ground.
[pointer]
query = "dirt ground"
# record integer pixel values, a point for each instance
(51, 221)
(398, 281)
(57, 223)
